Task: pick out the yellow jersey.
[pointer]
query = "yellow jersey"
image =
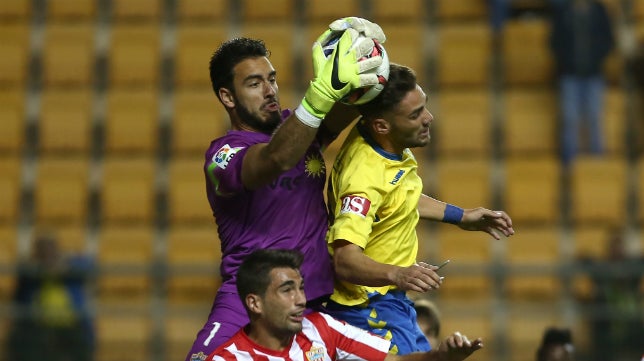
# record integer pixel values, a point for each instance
(373, 202)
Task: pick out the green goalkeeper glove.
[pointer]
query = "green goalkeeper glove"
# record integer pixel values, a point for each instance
(364, 26)
(346, 69)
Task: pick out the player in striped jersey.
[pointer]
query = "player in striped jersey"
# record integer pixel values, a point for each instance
(272, 291)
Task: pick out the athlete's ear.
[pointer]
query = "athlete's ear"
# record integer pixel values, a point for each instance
(254, 303)
(227, 97)
(380, 126)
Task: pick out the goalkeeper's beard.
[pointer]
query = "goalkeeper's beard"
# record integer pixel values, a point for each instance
(266, 126)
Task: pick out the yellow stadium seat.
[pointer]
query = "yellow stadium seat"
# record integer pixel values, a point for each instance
(533, 255)
(469, 253)
(71, 10)
(530, 122)
(61, 190)
(131, 123)
(464, 54)
(14, 47)
(10, 189)
(452, 11)
(598, 190)
(461, 125)
(8, 258)
(638, 10)
(125, 274)
(136, 11)
(12, 137)
(526, 54)
(134, 56)
(123, 336)
(525, 327)
(276, 10)
(614, 122)
(194, 254)
(127, 191)
(279, 38)
(464, 182)
(590, 243)
(195, 45)
(198, 119)
(329, 10)
(202, 10)
(639, 187)
(15, 10)
(532, 190)
(65, 124)
(406, 45)
(187, 201)
(386, 10)
(180, 332)
(614, 68)
(68, 54)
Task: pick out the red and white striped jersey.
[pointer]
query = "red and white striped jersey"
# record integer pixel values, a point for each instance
(323, 338)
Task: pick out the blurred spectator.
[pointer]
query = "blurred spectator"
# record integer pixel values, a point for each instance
(51, 319)
(581, 38)
(556, 345)
(615, 312)
(428, 319)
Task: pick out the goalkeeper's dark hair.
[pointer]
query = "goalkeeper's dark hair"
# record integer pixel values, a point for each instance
(402, 80)
(229, 54)
(253, 276)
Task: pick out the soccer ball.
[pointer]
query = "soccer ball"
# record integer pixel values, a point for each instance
(363, 95)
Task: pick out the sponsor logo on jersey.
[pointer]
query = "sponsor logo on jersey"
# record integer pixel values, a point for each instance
(223, 156)
(397, 177)
(198, 356)
(356, 205)
(315, 353)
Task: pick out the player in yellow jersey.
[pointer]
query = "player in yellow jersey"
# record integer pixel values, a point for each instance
(375, 200)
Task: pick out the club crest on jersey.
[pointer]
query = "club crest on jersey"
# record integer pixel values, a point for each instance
(223, 156)
(315, 353)
(356, 205)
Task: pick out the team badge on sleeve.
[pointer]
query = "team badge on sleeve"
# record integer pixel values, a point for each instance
(223, 156)
(356, 205)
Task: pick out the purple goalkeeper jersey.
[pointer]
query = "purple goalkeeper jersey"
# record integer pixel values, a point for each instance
(287, 213)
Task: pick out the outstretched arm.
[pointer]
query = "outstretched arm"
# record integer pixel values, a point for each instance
(472, 219)
(456, 347)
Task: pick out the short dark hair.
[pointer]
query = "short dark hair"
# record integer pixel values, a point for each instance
(253, 275)
(229, 54)
(402, 80)
(553, 336)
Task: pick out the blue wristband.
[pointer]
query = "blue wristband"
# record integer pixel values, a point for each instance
(453, 214)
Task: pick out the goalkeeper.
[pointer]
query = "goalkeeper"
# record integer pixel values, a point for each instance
(265, 178)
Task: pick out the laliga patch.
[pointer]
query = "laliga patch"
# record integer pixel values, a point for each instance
(356, 205)
(223, 156)
(198, 356)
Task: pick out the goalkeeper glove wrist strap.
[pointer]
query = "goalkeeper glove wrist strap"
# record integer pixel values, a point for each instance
(307, 117)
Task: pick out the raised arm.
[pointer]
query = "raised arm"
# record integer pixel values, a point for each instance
(344, 70)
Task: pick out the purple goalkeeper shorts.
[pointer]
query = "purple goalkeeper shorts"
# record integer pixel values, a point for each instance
(227, 316)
